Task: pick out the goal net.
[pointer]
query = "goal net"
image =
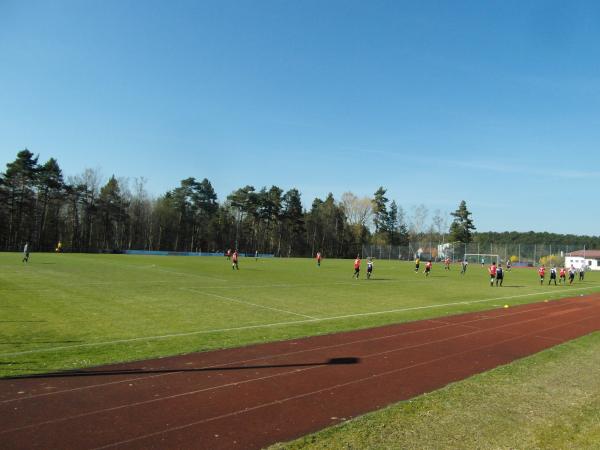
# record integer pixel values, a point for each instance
(481, 258)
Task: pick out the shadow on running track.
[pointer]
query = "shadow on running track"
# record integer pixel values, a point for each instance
(95, 373)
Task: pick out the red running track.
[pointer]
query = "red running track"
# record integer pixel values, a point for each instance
(254, 396)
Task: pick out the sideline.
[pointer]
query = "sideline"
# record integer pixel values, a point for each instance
(221, 297)
(269, 325)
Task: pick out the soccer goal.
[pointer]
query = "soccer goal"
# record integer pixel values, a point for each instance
(481, 258)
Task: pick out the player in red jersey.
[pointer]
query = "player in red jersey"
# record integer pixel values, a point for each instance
(562, 276)
(356, 267)
(542, 273)
(492, 271)
(427, 268)
(447, 263)
(319, 259)
(234, 261)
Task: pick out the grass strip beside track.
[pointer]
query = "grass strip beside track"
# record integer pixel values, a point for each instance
(550, 400)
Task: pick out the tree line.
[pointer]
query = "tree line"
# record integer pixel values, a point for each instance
(41, 206)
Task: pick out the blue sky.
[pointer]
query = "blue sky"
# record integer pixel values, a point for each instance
(496, 103)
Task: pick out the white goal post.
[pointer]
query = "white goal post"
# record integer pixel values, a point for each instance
(477, 258)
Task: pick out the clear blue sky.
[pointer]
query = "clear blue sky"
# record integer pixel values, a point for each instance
(496, 103)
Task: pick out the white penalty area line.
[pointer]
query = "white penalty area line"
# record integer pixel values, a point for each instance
(243, 302)
(277, 324)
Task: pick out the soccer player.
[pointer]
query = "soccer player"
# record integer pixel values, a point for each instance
(482, 262)
(463, 266)
(571, 274)
(234, 261)
(417, 264)
(447, 263)
(356, 267)
(369, 268)
(256, 255)
(581, 272)
(26, 252)
(427, 268)
(228, 254)
(542, 273)
(59, 247)
(318, 259)
(562, 276)
(499, 275)
(492, 270)
(508, 264)
(552, 276)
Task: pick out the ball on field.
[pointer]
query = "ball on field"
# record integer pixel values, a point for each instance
(506, 306)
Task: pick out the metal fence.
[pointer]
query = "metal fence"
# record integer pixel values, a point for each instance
(527, 254)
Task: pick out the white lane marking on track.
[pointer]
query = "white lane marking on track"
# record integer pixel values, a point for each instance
(243, 302)
(329, 388)
(276, 324)
(294, 353)
(385, 352)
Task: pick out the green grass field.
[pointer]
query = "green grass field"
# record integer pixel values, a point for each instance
(74, 310)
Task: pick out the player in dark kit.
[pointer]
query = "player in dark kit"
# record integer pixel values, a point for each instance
(552, 276)
(369, 268)
(499, 275)
(26, 252)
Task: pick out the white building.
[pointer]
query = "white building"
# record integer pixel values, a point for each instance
(588, 258)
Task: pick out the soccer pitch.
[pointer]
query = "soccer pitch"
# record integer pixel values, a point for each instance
(65, 311)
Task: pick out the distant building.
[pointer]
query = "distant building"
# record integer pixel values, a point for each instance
(588, 258)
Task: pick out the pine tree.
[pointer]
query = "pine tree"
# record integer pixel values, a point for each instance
(380, 213)
(462, 225)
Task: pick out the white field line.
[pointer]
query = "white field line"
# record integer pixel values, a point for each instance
(221, 297)
(269, 325)
(229, 287)
(186, 274)
(156, 267)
